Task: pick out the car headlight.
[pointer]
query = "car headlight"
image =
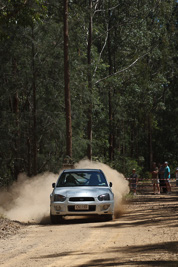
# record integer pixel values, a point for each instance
(59, 198)
(104, 197)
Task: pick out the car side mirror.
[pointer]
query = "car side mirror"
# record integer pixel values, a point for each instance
(53, 185)
(110, 184)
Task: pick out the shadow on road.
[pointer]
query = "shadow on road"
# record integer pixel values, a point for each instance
(131, 251)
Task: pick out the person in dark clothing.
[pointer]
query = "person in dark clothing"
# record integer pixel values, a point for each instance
(155, 179)
(161, 178)
(134, 181)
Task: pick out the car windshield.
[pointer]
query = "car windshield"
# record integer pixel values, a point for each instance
(81, 179)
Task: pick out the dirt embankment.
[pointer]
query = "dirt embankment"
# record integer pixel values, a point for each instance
(8, 228)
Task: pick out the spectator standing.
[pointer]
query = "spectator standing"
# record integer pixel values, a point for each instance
(167, 177)
(155, 179)
(162, 183)
(134, 181)
(176, 173)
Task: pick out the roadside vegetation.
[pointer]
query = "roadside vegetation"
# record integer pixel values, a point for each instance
(123, 85)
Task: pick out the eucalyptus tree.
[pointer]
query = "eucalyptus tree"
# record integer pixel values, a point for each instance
(167, 123)
(129, 75)
(13, 16)
(137, 57)
(89, 126)
(30, 73)
(83, 57)
(66, 82)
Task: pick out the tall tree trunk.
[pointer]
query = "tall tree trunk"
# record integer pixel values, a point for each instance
(34, 107)
(89, 126)
(111, 138)
(66, 83)
(150, 140)
(15, 108)
(28, 156)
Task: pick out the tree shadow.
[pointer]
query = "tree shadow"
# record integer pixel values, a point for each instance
(130, 251)
(121, 262)
(148, 211)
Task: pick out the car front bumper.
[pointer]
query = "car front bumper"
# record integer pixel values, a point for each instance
(82, 208)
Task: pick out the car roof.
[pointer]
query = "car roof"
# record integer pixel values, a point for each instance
(82, 170)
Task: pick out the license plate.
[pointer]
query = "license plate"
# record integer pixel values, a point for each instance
(81, 207)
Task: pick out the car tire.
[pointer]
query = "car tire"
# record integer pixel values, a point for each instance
(55, 219)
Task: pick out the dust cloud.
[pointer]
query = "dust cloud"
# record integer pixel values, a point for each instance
(28, 200)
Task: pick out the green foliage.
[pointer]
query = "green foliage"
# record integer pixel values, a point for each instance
(138, 39)
(126, 165)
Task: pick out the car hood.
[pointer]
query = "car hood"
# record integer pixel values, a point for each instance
(81, 191)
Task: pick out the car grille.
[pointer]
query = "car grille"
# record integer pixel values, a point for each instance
(78, 199)
(91, 208)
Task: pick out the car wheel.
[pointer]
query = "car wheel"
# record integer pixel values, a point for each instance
(55, 219)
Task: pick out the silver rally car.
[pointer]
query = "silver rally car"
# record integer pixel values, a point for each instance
(81, 192)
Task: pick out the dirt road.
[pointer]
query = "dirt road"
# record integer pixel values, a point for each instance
(145, 235)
